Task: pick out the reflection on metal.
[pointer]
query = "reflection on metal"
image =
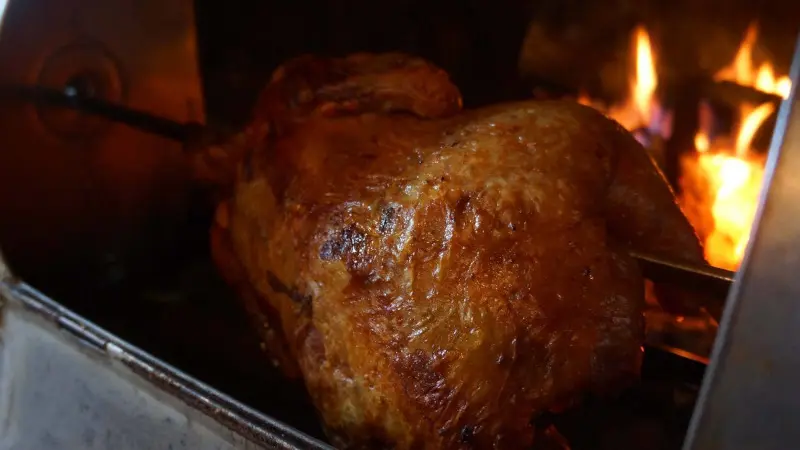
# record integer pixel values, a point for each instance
(678, 272)
(84, 67)
(3, 7)
(66, 384)
(751, 393)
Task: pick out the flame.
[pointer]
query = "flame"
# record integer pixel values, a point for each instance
(721, 180)
(741, 70)
(641, 108)
(725, 183)
(721, 183)
(701, 143)
(751, 122)
(645, 83)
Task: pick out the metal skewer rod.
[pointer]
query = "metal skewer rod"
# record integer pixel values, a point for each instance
(701, 277)
(702, 286)
(66, 98)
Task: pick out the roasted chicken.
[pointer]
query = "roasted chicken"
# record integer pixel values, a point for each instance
(438, 277)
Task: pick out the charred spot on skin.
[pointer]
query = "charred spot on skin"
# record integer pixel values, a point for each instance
(587, 271)
(353, 239)
(388, 219)
(349, 240)
(278, 286)
(329, 250)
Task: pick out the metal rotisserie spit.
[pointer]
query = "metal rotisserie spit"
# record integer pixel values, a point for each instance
(122, 329)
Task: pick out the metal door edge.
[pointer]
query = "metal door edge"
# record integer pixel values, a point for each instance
(253, 429)
(750, 397)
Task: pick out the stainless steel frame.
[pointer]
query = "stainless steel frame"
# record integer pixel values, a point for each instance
(67, 384)
(750, 397)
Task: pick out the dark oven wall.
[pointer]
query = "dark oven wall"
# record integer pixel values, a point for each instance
(494, 50)
(241, 43)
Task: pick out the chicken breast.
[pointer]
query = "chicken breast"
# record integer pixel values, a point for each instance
(439, 277)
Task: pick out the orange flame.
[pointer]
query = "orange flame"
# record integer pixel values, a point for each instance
(721, 181)
(741, 69)
(725, 184)
(645, 82)
(701, 143)
(638, 110)
(721, 184)
(752, 119)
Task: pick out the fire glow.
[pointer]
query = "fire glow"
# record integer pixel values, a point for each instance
(721, 180)
(721, 184)
(640, 112)
(742, 69)
(641, 109)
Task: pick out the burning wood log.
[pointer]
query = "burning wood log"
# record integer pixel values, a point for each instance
(733, 94)
(683, 98)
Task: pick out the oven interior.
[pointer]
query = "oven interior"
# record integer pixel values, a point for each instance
(136, 260)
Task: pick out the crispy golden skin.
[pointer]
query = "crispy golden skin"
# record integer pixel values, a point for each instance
(440, 277)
